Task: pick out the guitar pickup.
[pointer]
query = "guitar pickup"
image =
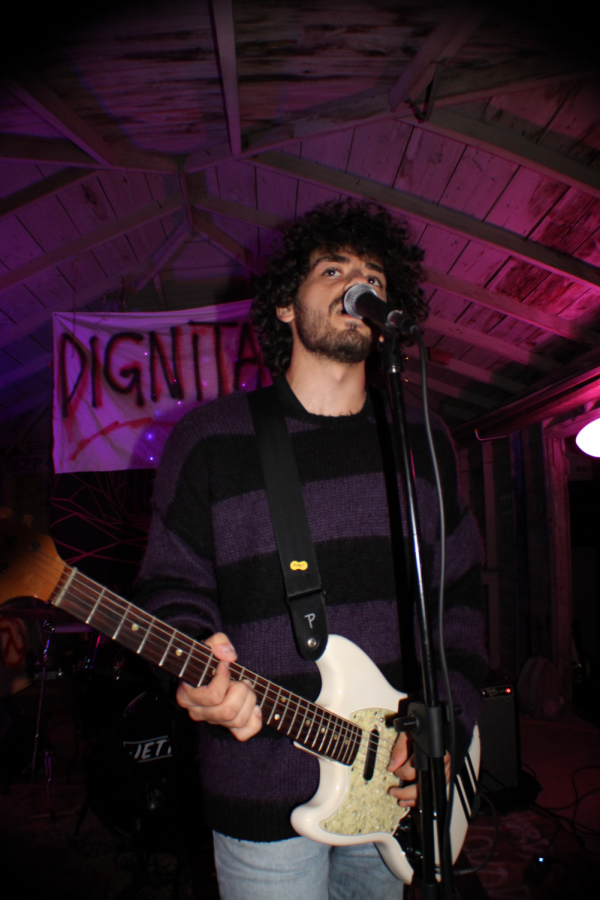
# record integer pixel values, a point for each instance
(371, 757)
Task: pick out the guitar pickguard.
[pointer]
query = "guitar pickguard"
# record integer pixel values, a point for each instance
(367, 807)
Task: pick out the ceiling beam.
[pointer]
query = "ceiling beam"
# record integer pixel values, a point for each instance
(22, 148)
(23, 372)
(454, 86)
(442, 43)
(448, 362)
(432, 213)
(227, 244)
(135, 278)
(570, 427)
(164, 254)
(514, 148)
(19, 409)
(222, 13)
(501, 303)
(566, 392)
(111, 230)
(487, 342)
(450, 390)
(39, 190)
(28, 87)
(465, 289)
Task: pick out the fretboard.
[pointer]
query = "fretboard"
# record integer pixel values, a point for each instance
(312, 727)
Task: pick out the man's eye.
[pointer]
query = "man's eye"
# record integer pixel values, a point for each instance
(373, 279)
(331, 271)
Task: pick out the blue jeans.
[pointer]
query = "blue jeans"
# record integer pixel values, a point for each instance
(301, 869)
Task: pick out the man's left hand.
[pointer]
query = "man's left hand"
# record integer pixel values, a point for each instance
(403, 766)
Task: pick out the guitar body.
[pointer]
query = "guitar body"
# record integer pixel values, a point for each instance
(349, 728)
(347, 808)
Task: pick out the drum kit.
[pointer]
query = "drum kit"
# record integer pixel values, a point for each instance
(137, 747)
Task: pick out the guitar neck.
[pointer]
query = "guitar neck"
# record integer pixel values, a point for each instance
(312, 727)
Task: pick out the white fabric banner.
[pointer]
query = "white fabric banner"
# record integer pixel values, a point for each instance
(122, 380)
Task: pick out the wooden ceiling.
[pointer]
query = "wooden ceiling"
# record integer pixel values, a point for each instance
(147, 160)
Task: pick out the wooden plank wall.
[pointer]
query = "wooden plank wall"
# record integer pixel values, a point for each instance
(517, 488)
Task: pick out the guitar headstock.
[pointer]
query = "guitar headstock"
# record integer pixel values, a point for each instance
(29, 563)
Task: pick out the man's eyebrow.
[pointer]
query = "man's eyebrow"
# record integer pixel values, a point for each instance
(337, 257)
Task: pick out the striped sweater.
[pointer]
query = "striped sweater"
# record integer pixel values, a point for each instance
(212, 565)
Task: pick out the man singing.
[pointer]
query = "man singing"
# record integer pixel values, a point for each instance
(212, 568)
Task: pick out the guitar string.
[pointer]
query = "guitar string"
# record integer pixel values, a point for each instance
(56, 569)
(350, 728)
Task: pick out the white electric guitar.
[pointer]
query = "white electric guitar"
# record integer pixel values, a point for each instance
(349, 728)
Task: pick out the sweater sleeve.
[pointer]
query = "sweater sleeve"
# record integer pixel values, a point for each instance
(177, 578)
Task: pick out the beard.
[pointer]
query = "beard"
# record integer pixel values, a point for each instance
(316, 333)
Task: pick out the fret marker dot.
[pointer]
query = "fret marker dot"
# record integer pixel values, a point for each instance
(135, 627)
(277, 717)
(178, 652)
(322, 731)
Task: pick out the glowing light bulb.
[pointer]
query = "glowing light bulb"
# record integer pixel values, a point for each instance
(588, 438)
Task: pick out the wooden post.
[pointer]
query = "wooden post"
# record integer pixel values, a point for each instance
(490, 576)
(559, 539)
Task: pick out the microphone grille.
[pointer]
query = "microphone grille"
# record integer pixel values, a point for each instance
(352, 295)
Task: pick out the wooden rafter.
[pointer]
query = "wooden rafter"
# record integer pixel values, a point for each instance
(566, 428)
(432, 213)
(565, 392)
(25, 406)
(222, 11)
(474, 373)
(434, 278)
(21, 148)
(514, 148)
(149, 213)
(28, 87)
(22, 372)
(490, 343)
(443, 43)
(134, 277)
(454, 87)
(45, 187)
(510, 307)
(225, 242)
(451, 390)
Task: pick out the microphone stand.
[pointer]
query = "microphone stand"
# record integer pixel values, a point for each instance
(425, 720)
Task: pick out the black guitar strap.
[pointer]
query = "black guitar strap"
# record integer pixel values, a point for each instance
(305, 596)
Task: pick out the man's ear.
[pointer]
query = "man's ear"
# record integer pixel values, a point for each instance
(286, 313)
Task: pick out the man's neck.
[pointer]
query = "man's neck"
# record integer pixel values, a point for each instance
(327, 388)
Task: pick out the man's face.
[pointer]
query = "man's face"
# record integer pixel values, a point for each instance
(320, 323)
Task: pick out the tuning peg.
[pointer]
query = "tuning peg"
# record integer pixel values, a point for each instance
(5, 512)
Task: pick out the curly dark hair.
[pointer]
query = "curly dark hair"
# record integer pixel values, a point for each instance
(363, 227)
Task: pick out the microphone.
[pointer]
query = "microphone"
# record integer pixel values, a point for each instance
(361, 302)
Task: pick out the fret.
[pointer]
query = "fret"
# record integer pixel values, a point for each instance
(120, 625)
(349, 747)
(294, 718)
(96, 604)
(274, 706)
(148, 630)
(285, 712)
(325, 731)
(185, 665)
(208, 662)
(164, 656)
(327, 750)
(311, 722)
(65, 588)
(320, 730)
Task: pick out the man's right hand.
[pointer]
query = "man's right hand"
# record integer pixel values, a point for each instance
(223, 701)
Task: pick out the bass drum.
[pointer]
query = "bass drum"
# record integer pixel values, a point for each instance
(130, 774)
